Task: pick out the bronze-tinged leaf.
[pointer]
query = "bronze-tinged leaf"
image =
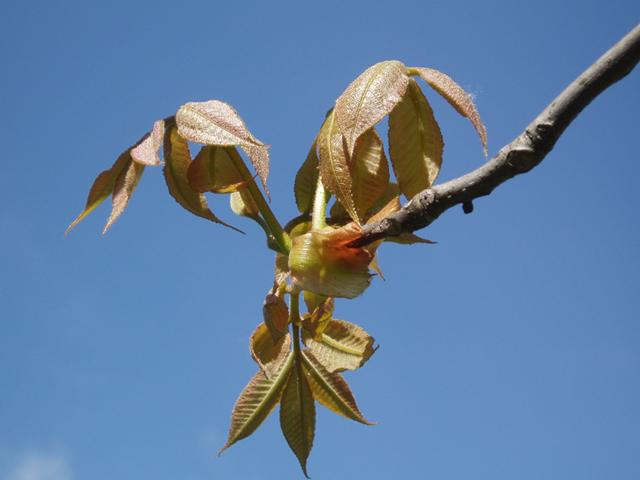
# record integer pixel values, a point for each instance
(304, 187)
(177, 160)
(334, 164)
(146, 152)
(257, 401)
(331, 390)
(217, 123)
(298, 415)
(369, 99)
(103, 186)
(370, 171)
(213, 123)
(125, 185)
(392, 206)
(268, 355)
(415, 142)
(276, 312)
(344, 346)
(213, 170)
(259, 157)
(408, 239)
(455, 95)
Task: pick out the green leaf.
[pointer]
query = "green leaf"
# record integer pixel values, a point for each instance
(147, 151)
(344, 346)
(331, 390)
(103, 186)
(268, 355)
(305, 183)
(126, 183)
(217, 123)
(257, 401)
(415, 142)
(213, 170)
(298, 415)
(455, 95)
(334, 165)
(370, 171)
(369, 99)
(177, 160)
(317, 320)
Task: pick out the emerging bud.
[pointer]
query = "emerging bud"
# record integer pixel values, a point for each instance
(320, 262)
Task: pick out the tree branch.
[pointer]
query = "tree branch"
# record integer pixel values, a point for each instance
(521, 155)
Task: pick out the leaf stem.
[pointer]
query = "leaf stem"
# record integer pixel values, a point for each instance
(284, 241)
(319, 205)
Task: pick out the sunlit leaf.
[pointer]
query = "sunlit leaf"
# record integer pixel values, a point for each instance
(306, 180)
(213, 170)
(415, 142)
(344, 346)
(331, 390)
(268, 355)
(369, 99)
(242, 204)
(103, 186)
(147, 151)
(392, 191)
(125, 185)
(298, 415)
(177, 160)
(455, 95)
(334, 165)
(370, 171)
(408, 239)
(257, 401)
(217, 123)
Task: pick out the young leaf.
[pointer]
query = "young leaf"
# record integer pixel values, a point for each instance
(103, 186)
(415, 142)
(177, 160)
(242, 204)
(369, 99)
(257, 401)
(344, 346)
(334, 165)
(217, 123)
(316, 322)
(213, 171)
(268, 355)
(276, 312)
(330, 389)
(305, 184)
(455, 95)
(370, 171)
(125, 185)
(147, 151)
(298, 415)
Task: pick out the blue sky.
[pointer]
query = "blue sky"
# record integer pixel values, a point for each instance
(511, 349)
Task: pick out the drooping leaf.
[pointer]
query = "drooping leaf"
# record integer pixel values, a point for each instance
(257, 401)
(242, 204)
(313, 300)
(415, 142)
(455, 95)
(305, 184)
(408, 239)
(213, 170)
(298, 415)
(331, 390)
(125, 185)
(344, 346)
(147, 151)
(369, 99)
(268, 355)
(103, 186)
(370, 171)
(177, 160)
(334, 165)
(217, 123)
